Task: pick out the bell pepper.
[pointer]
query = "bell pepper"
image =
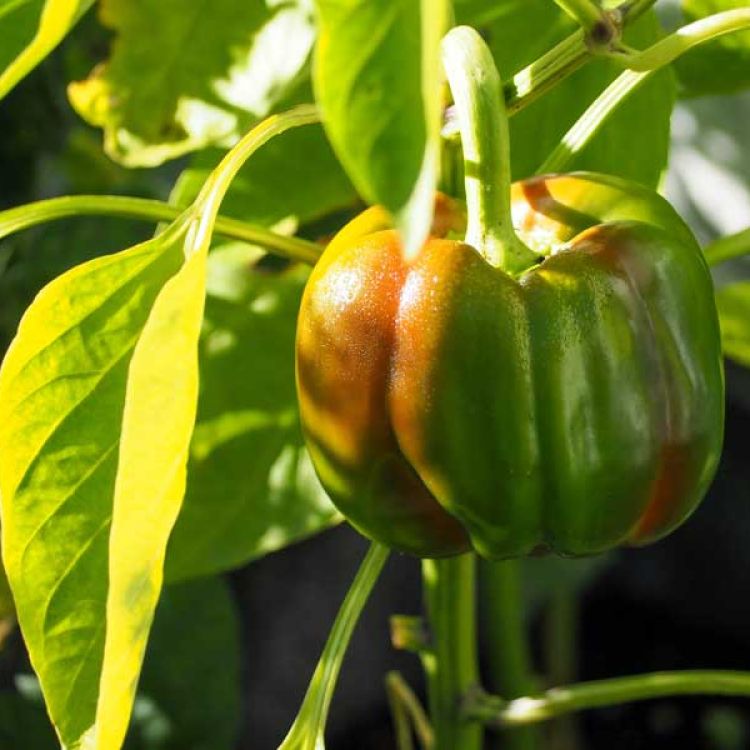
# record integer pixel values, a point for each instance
(572, 406)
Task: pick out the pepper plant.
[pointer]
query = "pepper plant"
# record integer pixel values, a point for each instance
(484, 368)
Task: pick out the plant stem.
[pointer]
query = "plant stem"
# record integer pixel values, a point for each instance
(477, 92)
(561, 646)
(588, 124)
(569, 55)
(646, 63)
(509, 653)
(685, 38)
(406, 706)
(536, 79)
(451, 665)
(216, 186)
(309, 726)
(399, 714)
(24, 217)
(727, 248)
(586, 13)
(635, 8)
(496, 712)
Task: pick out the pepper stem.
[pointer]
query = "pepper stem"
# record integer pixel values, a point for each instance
(451, 665)
(483, 121)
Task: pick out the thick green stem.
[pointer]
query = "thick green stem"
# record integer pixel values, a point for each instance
(451, 664)
(24, 217)
(309, 726)
(483, 122)
(493, 711)
(561, 646)
(509, 653)
(536, 79)
(510, 671)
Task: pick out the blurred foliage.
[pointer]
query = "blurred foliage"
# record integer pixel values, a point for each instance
(726, 728)
(202, 88)
(189, 693)
(733, 301)
(293, 177)
(720, 66)
(29, 31)
(251, 486)
(18, 21)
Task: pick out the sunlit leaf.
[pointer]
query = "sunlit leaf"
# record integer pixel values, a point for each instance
(377, 79)
(217, 68)
(62, 395)
(158, 420)
(29, 31)
(251, 488)
(733, 302)
(720, 66)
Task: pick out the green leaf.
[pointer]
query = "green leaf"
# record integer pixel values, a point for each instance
(634, 142)
(251, 488)
(377, 80)
(218, 68)
(733, 302)
(721, 66)
(295, 176)
(29, 31)
(62, 395)
(477, 12)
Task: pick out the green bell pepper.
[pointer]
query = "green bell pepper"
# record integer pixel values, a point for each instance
(572, 407)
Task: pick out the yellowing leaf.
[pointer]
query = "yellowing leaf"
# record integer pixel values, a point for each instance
(160, 406)
(56, 19)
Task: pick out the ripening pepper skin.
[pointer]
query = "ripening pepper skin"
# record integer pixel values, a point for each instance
(578, 406)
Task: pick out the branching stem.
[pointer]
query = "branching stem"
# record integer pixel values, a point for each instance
(24, 217)
(493, 711)
(644, 65)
